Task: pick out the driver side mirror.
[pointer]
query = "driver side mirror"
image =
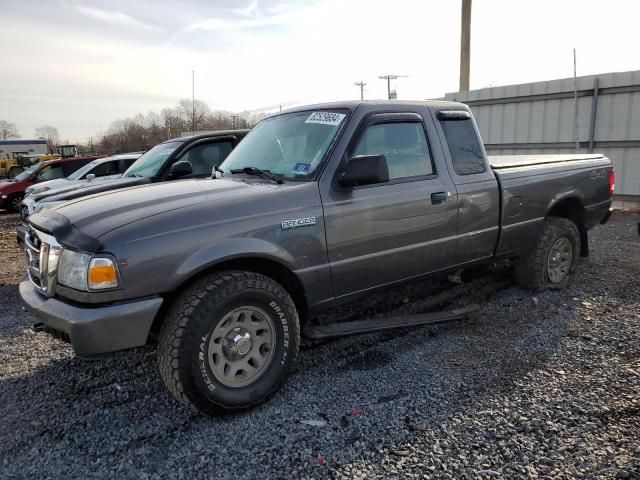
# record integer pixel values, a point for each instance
(90, 176)
(181, 168)
(364, 170)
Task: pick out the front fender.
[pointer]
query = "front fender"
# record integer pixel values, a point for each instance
(231, 249)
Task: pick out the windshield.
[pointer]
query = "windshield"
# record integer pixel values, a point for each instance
(27, 173)
(78, 174)
(149, 164)
(291, 146)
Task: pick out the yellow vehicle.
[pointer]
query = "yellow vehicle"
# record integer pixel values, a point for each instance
(10, 167)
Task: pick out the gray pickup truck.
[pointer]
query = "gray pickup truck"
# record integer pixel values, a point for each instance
(316, 206)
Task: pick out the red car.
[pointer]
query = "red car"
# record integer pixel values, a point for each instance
(12, 191)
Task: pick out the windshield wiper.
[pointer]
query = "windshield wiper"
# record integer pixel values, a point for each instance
(258, 172)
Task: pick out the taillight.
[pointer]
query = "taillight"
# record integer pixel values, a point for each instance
(612, 181)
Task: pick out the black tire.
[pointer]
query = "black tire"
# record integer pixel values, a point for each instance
(186, 335)
(13, 202)
(532, 270)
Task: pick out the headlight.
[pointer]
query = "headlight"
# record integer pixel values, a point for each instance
(72, 269)
(81, 271)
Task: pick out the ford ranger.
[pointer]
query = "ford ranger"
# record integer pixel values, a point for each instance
(316, 206)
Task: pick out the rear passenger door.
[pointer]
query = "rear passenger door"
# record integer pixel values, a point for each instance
(383, 233)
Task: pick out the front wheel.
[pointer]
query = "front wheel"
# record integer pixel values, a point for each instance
(14, 202)
(552, 258)
(228, 341)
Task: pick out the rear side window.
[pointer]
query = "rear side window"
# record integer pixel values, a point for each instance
(403, 144)
(464, 146)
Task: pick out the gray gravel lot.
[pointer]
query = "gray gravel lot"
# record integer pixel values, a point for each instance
(544, 385)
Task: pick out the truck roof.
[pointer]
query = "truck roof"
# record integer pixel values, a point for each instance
(217, 133)
(372, 104)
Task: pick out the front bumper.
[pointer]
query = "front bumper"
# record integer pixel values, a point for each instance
(94, 330)
(21, 232)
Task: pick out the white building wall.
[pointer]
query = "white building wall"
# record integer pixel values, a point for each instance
(539, 118)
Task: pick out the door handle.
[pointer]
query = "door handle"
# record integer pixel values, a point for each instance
(438, 198)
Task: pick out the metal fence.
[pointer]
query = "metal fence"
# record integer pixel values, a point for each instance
(541, 118)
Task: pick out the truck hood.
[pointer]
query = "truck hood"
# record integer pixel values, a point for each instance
(83, 188)
(99, 214)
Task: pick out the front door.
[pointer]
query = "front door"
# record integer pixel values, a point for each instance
(380, 234)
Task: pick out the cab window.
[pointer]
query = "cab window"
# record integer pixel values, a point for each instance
(50, 172)
(404, 144)
(106, 168)
(205, 156)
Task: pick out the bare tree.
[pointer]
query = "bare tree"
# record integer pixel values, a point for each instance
(8, 130)
(193, 114)
(50, 134)
(141, 132)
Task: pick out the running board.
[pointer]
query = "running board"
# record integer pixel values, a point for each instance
(333, 330)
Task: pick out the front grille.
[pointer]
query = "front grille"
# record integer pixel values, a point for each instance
(42, 252)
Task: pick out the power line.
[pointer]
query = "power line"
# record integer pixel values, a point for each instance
(361, 84)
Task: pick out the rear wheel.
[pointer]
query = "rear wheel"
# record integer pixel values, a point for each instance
(228, 342)
(552, 258)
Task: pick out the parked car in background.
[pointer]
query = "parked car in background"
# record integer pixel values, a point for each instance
(12, 191)
(316, 207)
(183, 157)
(100, 169)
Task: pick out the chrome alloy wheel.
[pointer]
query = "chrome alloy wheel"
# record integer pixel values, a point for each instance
(241, 346)
(559, 260)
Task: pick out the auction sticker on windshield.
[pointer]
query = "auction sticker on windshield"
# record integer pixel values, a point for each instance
(326, 118)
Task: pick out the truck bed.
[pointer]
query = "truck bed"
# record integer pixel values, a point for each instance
(498, 162)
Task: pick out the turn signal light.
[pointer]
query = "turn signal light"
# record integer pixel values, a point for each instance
(102, 274)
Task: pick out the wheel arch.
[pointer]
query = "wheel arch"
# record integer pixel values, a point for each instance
(257, 263)
(572, 208)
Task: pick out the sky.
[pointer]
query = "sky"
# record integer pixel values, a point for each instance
(80, 64)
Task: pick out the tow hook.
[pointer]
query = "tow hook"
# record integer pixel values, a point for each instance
(37, 327)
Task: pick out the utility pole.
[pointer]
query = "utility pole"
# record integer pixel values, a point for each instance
(361, 84)
(233, 121)
(575, 103)
(465, 45)
(388, 78)
(193, 102)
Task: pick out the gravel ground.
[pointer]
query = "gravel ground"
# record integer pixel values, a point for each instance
(542, 385)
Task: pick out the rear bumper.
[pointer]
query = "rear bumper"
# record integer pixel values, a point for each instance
(598, 213)
(606, 217)
(94, 330)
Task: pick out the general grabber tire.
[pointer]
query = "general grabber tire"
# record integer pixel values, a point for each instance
(553, 257)
(228, 342)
